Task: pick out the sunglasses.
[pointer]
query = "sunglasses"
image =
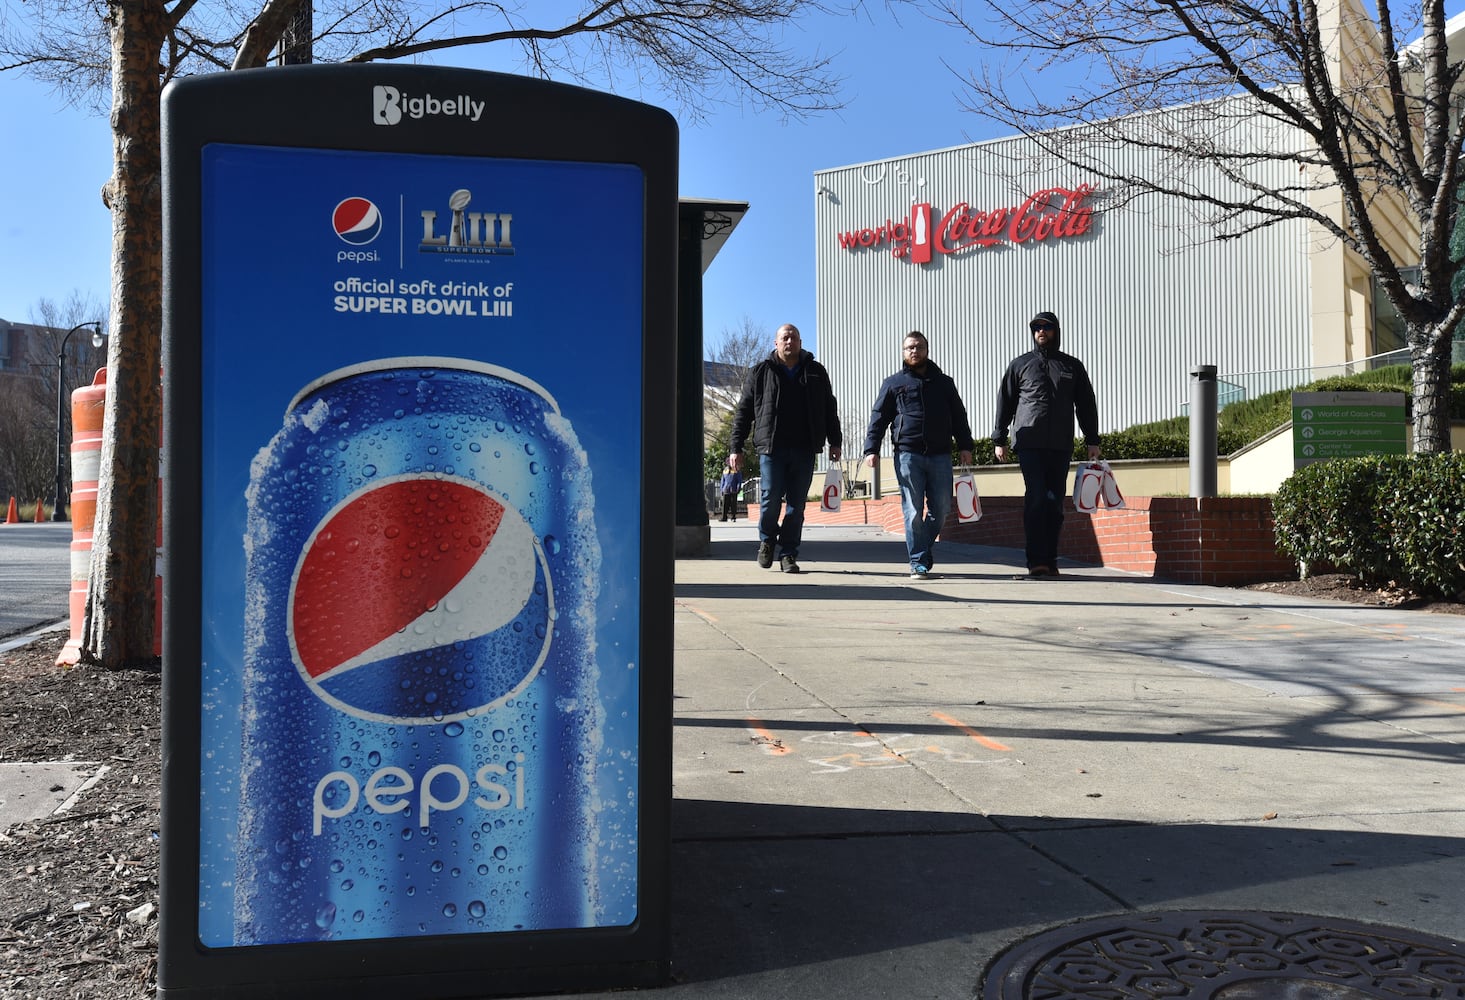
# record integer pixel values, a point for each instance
(1043, 326)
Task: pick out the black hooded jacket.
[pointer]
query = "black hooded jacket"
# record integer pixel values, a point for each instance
(1040, 394)
(760, 408)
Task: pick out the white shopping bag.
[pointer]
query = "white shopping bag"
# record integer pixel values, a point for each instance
(968, 503)
(829, 499)
(1088, 485)
(1112, 496)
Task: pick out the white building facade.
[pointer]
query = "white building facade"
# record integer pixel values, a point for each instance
(966, 244)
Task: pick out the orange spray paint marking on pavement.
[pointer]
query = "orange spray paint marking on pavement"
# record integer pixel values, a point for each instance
(771, 744)
(987, 742)
(697, 611)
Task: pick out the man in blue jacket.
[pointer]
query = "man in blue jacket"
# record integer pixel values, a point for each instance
(788, 406)
(1040, 394)
(730, 486)
(924, 412)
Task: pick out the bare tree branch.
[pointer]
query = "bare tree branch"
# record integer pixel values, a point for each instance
(1212, 92)
(699, 53)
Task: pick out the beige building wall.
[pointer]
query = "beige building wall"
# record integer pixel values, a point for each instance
(1342, 281)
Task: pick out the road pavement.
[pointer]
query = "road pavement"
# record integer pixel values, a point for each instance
(35, 575)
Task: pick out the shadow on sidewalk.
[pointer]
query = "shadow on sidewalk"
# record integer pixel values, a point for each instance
(763, 887)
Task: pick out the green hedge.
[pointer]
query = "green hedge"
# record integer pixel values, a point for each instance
(1248, 420)
(1393, 518)
(1242, 422)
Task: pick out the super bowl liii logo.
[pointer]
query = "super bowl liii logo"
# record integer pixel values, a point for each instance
(469, 233)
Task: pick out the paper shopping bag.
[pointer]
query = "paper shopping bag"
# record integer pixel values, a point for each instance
(829, 499)
(1088, 485)
(1112, 496)
(968, 503)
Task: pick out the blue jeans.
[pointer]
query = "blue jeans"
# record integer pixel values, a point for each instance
(925, 482)
(1045, 484)
(787, 474)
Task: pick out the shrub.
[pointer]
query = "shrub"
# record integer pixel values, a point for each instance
(1246, 420)
(1392, 518)
(714, 453)
(1425, 510)
(1147, 441)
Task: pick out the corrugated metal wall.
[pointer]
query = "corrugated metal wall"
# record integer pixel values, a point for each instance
(1144, 297)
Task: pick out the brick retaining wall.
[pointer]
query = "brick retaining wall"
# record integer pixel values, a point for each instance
(1217, 541)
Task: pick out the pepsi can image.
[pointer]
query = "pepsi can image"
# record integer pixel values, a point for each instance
(421, 718)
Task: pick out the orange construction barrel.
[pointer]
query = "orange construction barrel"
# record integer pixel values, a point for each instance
(88, 406)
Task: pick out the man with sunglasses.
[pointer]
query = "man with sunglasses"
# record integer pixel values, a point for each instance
(1039, 396)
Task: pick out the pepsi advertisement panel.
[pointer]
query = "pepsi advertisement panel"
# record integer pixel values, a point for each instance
(420, 543)
(419, 653)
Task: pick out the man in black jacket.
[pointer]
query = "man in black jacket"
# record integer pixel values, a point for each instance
(1043, 390)
(925, 413)
(789, 406)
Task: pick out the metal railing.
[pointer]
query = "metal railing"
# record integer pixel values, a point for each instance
(1236, 386)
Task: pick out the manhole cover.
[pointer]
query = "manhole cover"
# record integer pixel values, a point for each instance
(1213, 955)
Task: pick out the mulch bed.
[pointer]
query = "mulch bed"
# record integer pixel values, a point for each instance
(79, 892)
(1347, 587)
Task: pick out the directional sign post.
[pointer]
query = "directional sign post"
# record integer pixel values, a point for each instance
(1346, 425)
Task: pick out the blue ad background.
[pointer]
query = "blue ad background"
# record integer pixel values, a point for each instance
(269, 327)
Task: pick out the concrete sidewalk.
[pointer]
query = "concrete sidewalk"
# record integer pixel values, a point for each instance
(881, 784)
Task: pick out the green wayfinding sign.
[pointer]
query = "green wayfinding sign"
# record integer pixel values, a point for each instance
(1346, 424)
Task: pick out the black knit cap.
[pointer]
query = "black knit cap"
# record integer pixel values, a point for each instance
(1044, 317)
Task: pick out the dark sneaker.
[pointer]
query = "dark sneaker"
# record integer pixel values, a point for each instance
(788, 565)
(765, 554)
(1039, 571)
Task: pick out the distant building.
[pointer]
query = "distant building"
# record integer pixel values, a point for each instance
(26, 349)
(721, 386)
(28, 371)
(28, 356)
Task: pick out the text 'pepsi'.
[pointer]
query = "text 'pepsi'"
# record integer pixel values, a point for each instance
(421, 708)
(387, 790)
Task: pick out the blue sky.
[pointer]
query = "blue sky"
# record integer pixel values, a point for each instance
(55, 236)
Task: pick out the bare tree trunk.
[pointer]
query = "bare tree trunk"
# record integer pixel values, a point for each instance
(268, 29)
(118, 628)
(1430, 364)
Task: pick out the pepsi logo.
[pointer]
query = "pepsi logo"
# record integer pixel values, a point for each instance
(420, 599)
(357, 221)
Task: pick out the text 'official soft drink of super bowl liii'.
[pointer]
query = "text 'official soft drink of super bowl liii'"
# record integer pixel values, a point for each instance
(420, 701)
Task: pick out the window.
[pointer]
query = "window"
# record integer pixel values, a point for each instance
(1389, 333)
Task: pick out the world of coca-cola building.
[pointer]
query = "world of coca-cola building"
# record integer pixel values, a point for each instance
(966, 244)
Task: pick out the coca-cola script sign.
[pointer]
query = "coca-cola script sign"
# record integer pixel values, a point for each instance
(1052, 214)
